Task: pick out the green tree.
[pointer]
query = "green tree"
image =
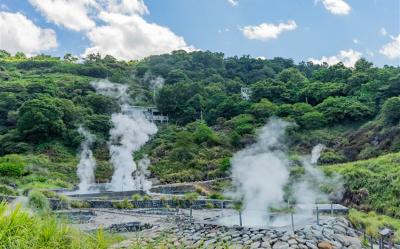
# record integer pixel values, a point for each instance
(391, 110)
(263, 109)
(204, 134)
(339, 109)
(45, 117)
(312, 120)
(100, 104)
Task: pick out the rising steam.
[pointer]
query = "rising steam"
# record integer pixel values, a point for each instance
(128, 135)
(260, 172)
(307, 190)
(87, 163)
(131, 130)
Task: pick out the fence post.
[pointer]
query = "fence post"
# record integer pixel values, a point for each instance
(292, 219)
(317, 215)
(331, 208)
(240, 218)
(371, 242)
(191, 214)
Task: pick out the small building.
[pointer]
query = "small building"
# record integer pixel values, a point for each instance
(245, 92)
(151, 113)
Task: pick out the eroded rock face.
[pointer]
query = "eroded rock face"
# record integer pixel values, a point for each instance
(333, 234)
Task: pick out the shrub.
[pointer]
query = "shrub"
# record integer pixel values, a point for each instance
(204, 134)
(312, 120)
(372, 223)
(6, 190)
(191, 196)
(38, 201)
(136, 197)
(263, 109)
(125, 204)
(19, 229)
(330, 157)
(146, 198)
(209, 205)
(79, 204)
(391, 110)
(12, 165)
(216, 196)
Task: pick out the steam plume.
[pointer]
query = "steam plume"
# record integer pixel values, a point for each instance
(260, 172)
(131, 130)
(307, 190)
(87, 163)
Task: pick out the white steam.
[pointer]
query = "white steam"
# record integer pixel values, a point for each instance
(87, 163)
(128, 135)
(307, 190)
(316, 153)
(141, 173)
(157, 82)
(131, 130)
(260, 172)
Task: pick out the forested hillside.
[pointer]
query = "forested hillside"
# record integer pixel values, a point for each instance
(355, 112)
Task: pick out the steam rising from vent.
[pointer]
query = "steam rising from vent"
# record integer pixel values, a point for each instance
(307, 189)
(157, 83)
(127, 136)
(260, 172)
(316, 153)
(131, 130)
(141, 173)
(87, 163)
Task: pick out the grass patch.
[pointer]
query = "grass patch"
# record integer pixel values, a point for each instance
(21, 230)
(372, 223)
(379, 176)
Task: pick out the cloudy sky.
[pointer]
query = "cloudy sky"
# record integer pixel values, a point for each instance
(316, 30)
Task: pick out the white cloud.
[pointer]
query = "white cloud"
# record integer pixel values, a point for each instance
(72, 14)
(18, 33)
(127, 7)
(392, 49)
(355, 41)
(347, 57)
(383, 31)
(131, 37)
(267, 31)
(114, 27)
(337, 7)
(233, 2)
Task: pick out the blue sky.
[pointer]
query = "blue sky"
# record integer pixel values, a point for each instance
(323, 30)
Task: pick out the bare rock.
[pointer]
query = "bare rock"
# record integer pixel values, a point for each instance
(324, 245)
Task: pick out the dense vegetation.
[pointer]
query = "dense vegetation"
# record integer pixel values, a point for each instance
(43, 100)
